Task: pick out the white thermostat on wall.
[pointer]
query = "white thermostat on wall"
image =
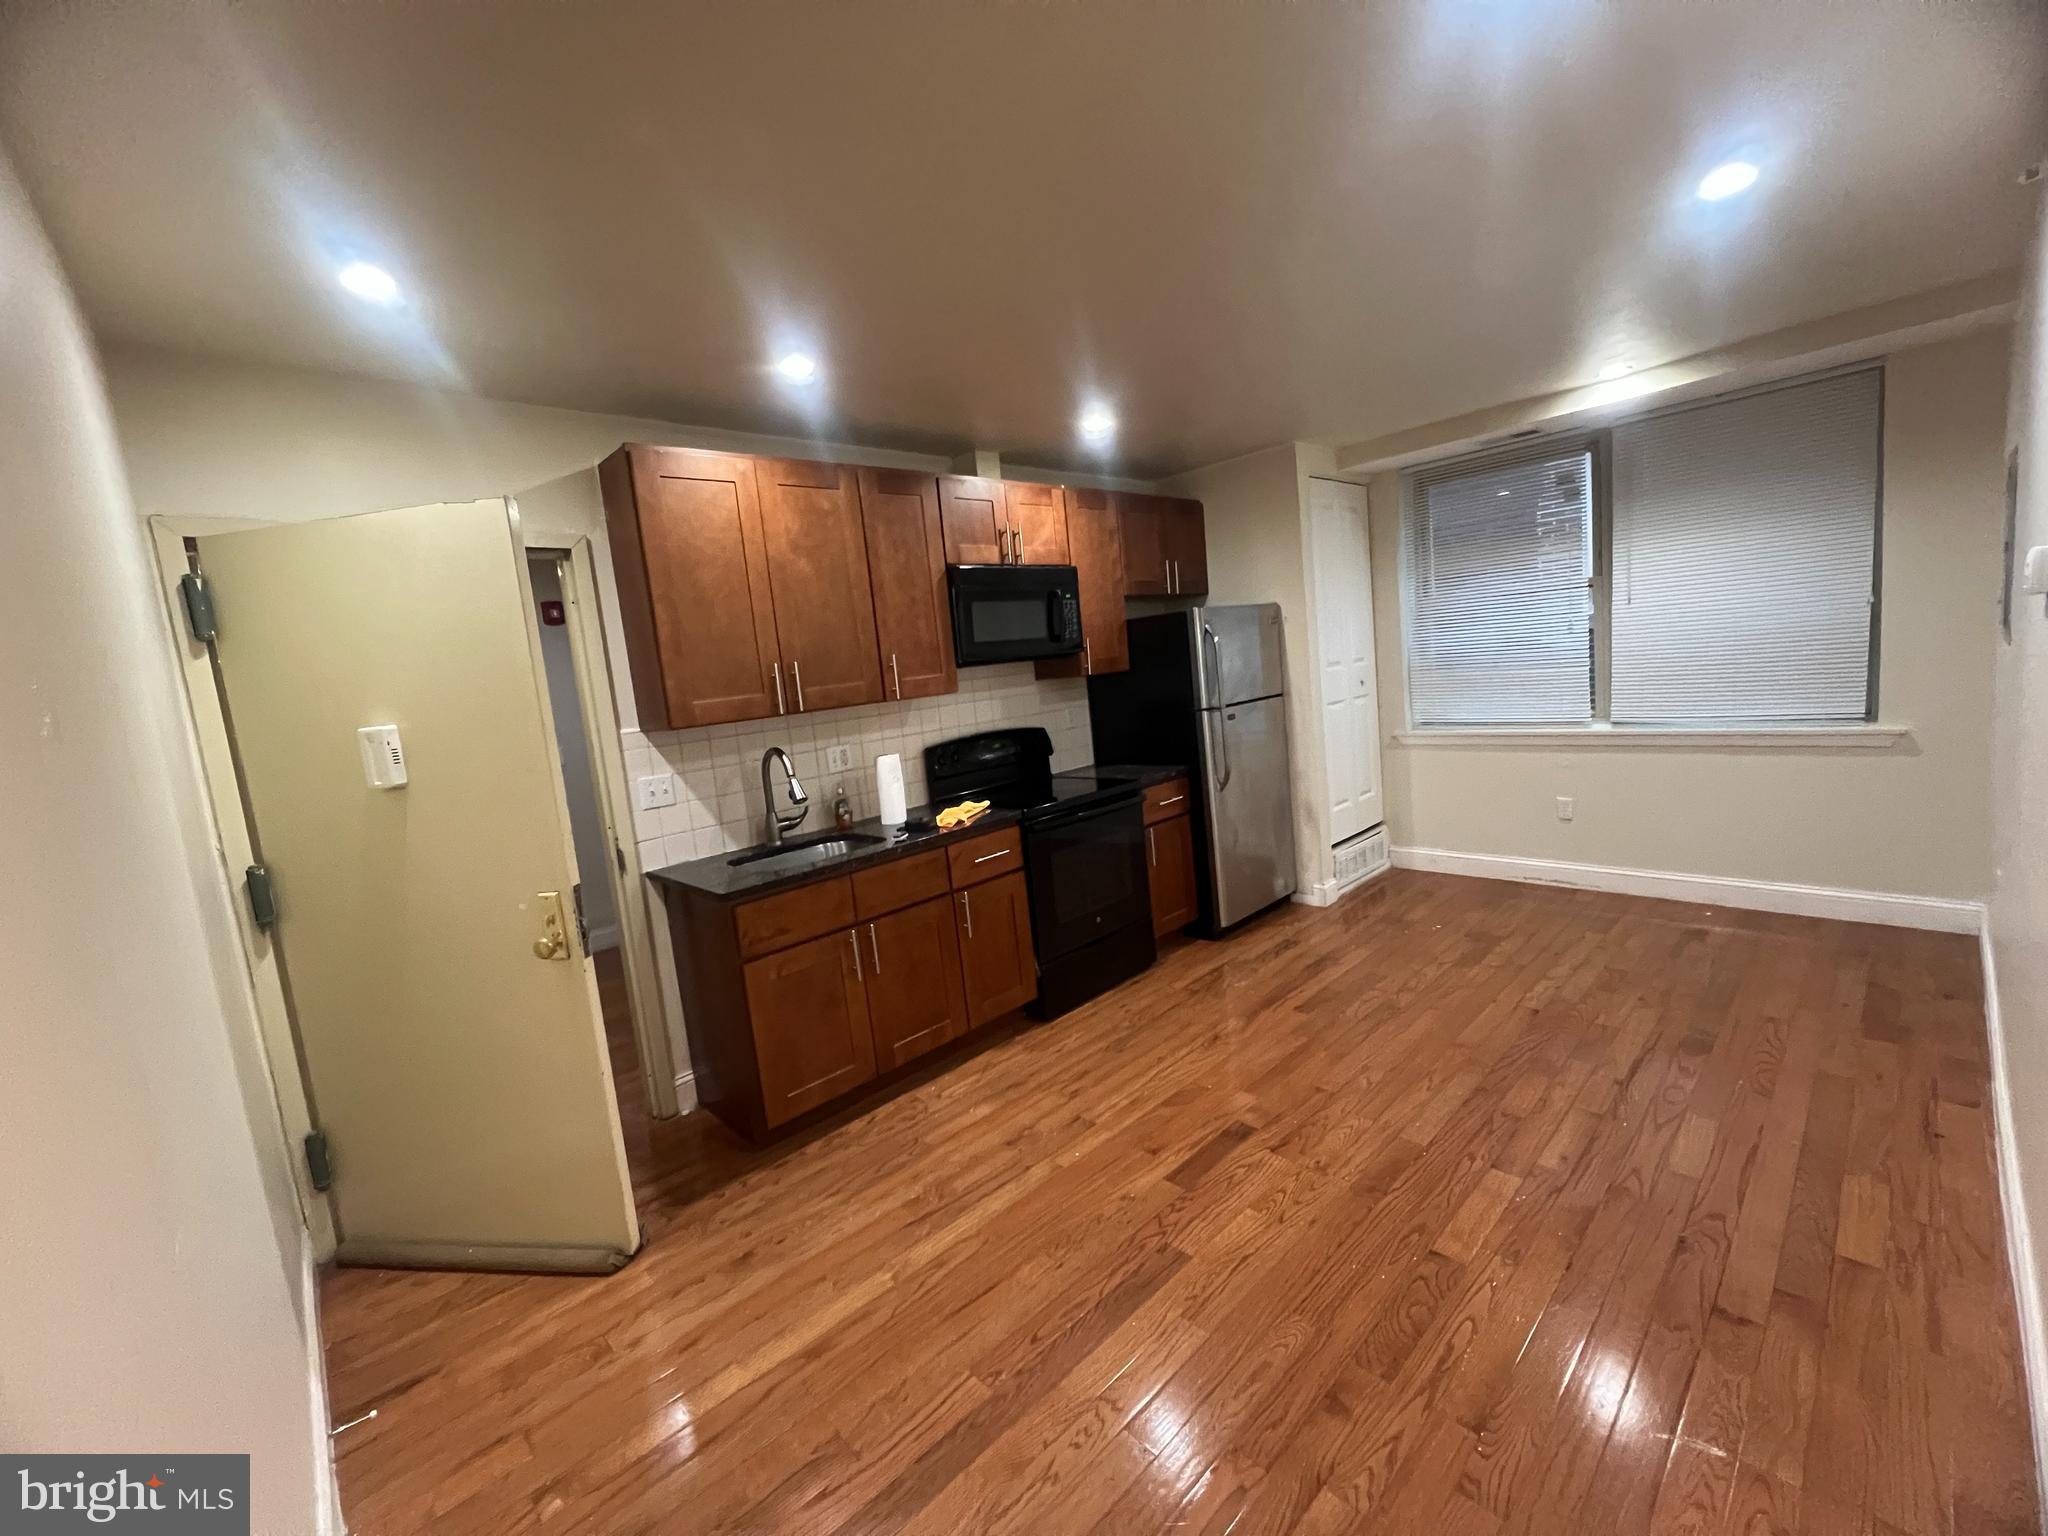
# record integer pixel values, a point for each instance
(383, 756)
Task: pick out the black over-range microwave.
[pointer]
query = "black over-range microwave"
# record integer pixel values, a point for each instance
(1014, 612)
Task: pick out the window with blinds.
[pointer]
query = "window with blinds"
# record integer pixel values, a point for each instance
(1745, 544)
(1499, 613)
(1735, 581)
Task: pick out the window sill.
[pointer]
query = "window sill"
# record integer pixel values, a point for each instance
(1877, 737)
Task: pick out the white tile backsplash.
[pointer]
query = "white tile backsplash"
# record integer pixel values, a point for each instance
(718, 774)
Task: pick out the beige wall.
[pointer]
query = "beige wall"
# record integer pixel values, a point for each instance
(154, 1289)
(2019, 900)
(1914, 819)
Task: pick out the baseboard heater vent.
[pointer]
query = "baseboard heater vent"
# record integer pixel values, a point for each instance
(1361, 857)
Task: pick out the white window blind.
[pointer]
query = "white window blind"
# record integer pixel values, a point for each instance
(1744, 557)
(1499, 614)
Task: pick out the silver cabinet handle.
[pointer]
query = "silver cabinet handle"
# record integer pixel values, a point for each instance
(967, 912)
(896, 674)
(1000, 853)
(1171, 800)
(796, 670)
(876, 945)
(1016, 547)
(1166, 572)
(1088, 654)
(776, 667)
(854, 939)
(1151, 848)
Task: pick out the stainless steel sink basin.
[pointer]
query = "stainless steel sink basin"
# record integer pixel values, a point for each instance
(800, 851)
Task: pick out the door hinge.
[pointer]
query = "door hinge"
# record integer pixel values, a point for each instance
(582, 927)
(262, 897)
(198, 598)
(318, 1165)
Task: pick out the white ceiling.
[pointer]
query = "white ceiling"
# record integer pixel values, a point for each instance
(1238, 220)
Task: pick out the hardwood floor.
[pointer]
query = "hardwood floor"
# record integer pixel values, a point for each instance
(1462, 1207)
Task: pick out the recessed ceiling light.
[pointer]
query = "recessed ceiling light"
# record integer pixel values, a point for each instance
(369, 282)
(1617, 370)
(1727, 180)
(1098, 423)
(797, 367)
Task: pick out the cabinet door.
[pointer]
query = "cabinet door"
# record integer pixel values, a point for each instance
(692, 565)
(899, 508)
(1187, 547)
(971, 512)
(810, 1020)
(1170, 853)
(1037, 515)
(916, 1000)
(995, 948)
(818, 571)
(1141, 520)
(1098, 554)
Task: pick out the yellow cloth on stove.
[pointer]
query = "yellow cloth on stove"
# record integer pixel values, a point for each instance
(963, 813)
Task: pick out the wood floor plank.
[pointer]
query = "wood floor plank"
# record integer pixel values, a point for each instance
(1461, 1206)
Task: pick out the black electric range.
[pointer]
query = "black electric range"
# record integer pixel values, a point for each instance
(1084, 857)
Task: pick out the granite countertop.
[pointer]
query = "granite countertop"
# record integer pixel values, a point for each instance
(716, 877)
(1146, 774)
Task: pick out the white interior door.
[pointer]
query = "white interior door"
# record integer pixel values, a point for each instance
(450, 1036)
(1349, 681)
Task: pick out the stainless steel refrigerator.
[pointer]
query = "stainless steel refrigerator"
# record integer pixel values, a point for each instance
(1207, 691)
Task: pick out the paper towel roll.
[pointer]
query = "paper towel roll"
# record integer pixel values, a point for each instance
(889, 789)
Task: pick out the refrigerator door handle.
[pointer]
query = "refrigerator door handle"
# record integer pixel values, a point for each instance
(1222, 750)
(1215, 670)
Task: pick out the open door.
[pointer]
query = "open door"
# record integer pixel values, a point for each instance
(444, 1008)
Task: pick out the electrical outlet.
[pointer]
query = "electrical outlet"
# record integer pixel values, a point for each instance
(838, 759)
(654, 790)
(1565, 807)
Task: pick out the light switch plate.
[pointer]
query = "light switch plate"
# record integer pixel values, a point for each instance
(1566, 808)
(651, 791)
(838, 759)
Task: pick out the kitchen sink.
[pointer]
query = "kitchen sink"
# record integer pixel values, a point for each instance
(798, 852)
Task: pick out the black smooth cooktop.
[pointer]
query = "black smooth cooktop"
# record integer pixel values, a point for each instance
(1062, 791)
(1011, 770)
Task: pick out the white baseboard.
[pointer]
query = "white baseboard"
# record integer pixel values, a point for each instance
(686, 1092)
(1329, 892)
(1937, 913)
(2019, 1234)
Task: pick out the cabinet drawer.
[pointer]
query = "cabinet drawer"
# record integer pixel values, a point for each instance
(789, 917)
(1164, 800)
(900, 884)
(983, 858)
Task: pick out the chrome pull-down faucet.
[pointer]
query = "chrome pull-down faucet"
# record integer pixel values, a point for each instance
(777, 824)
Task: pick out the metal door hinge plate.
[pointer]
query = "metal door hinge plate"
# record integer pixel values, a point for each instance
(262, 897)
(198, 606)
(318, 1165)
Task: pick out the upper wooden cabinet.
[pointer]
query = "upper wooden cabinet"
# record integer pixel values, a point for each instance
(1166, 551)
(1037, 515)
(744, 587)
(691, 561)
(907, 568)
(1095, 538)
(1002, 522)
(818, 572)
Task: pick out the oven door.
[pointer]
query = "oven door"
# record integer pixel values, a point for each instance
(1087, 876)
(1014, 612)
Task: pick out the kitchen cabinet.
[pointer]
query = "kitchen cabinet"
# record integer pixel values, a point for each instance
(916, 996)
(796, 1000)
(691, 561)
(1165, 546)
(1037, 515)
(1094, 536)
(906, 551)
(818, 578)
(809, 1011)
(1002, 522)
(996, 963)
(1170, 856)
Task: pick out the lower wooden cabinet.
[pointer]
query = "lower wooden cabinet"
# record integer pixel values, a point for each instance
(809, 1010)
(1170, 855)
(916, 998)
(995, 947)
(795, 1000)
